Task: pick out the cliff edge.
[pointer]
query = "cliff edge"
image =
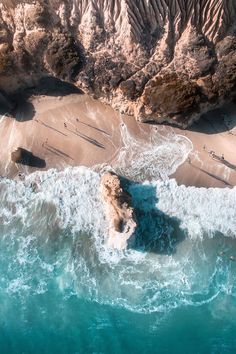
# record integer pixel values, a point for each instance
(159, 60)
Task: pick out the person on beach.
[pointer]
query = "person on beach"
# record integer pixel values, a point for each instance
(222, 157)
(45, 142)
(65, 125)
(212, 153)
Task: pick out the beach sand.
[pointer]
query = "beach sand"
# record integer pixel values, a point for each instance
(215, 132)
(77, 130)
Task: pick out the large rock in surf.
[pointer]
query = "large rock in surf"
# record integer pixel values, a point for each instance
(119, 212)
(160, 60)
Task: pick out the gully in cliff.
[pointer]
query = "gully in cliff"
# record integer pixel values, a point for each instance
(119, 212)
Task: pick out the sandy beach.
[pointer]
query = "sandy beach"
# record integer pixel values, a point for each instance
(212, 163)
(75, 129)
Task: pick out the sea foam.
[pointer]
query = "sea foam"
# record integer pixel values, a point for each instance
(53, 224)
(155, 154)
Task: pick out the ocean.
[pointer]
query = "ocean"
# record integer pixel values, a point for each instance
(62, 290)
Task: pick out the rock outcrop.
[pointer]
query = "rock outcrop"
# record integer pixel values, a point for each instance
(119, 212)
(6, 104)
(25, 157)
(160, 60)
(17, 155)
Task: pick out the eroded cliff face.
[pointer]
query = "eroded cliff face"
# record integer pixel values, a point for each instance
(160, 60)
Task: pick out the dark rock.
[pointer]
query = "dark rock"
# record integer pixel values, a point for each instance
(25, 157)
(171, 94)
(63, 56)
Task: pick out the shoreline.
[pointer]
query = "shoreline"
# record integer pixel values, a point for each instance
(76, 130)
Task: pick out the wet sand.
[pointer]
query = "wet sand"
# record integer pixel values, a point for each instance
(212, 163)
(77, 130)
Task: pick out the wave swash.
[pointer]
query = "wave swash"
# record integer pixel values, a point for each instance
(53, 226)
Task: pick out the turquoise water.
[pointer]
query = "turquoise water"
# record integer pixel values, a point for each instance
(63, 291)
(52, 324)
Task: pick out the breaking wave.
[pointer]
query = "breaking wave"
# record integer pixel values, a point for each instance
(53, 227)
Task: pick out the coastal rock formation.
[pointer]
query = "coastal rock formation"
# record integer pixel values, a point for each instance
(25, 157)
(160, 60)
(6, 105)
(119, 212)
(17, 155)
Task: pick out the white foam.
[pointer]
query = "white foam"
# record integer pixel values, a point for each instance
(156, 156)
(56, 235)
(201, 211)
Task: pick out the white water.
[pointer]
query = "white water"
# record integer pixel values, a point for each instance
(52, 228)
(178, 239)
(156, 155)
(181, 274)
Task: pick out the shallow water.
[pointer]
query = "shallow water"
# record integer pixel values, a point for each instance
(63, 291)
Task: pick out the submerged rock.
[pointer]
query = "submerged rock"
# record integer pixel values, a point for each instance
(119, 212)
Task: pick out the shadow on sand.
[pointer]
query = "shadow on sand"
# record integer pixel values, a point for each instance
(212, 175)
(23, 109)
(224, 161)
(57, 152)
(29, 159)
(216, 121)
(87, 138)
(156, 231)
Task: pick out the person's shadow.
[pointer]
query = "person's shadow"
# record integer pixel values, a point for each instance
(156, 232)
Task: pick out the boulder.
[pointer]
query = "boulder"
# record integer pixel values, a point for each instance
(119, 212)
(17, 155)
(25, 157)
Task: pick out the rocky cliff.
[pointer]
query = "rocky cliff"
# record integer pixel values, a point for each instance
(160, 60)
